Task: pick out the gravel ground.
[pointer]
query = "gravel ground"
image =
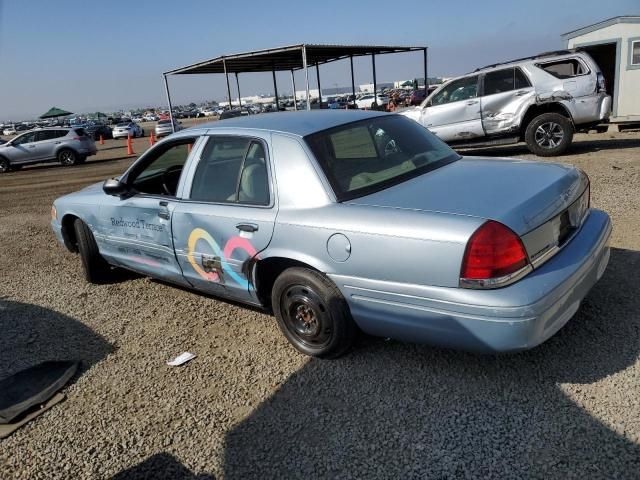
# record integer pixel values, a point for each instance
(249, 406)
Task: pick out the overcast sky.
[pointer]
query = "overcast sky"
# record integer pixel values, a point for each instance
(86, 56)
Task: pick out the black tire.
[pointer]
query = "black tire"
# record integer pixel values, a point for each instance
(312, 313)
(5, 165)
(96, 269)
(549, 134)
(68, 157)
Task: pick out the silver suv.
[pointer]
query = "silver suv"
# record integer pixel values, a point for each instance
(541, 100)
(68, 146)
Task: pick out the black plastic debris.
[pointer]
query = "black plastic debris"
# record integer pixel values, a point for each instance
(32, 388)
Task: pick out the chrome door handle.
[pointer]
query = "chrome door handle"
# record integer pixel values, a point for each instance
(520, 93)
(473, 102)
(164, 212)
(247, 227)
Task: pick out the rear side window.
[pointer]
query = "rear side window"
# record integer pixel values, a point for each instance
(571, 67)
(232, 170)
(80, 132)
(635, 52)
(521, 80)
(499, 81)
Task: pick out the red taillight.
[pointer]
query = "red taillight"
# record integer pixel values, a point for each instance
(493, 251)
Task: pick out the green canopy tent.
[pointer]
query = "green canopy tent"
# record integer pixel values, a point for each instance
(408, 83)
(55, 112)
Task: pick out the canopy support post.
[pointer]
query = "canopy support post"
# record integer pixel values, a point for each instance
(238, 85)
(306, 74)
(353, 82)
(166, 89)
(319, 88)
(375, 82)
(426, 81)
(275, 88)
(226, 74)
(293, 85)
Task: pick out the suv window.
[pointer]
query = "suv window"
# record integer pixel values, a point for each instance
(80, 132)
(499, 81)
(568, 68)
(232, 170)
(504, 81)
(50, 134)
(461, 89)
(26, 138)
(635, 52)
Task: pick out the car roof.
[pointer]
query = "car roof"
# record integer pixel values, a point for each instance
(296, 123)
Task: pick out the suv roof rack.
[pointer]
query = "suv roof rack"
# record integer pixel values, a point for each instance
(533, 57)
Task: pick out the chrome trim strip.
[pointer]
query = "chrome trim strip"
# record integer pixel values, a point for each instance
(496, 282)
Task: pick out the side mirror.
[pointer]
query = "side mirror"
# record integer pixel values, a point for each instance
(114, 187)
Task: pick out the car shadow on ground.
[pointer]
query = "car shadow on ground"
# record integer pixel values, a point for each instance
(577, 148)
(162, 466)
(394, 410)
(31, 334)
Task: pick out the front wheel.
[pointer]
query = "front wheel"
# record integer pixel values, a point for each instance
(549, 134)
(96, 269)
(5, 166)
(68, 157)
(312, 313)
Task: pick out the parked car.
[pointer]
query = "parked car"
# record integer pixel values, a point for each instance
(343, 220)
(10, 130)
(371, 101)
(124, 129)
(150, 117)
(95, 130)
(69, 146)
(417, 97)
(163, 127)
(337, 103)
(540, 100)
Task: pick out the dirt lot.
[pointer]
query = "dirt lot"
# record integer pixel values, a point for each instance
(250, 406)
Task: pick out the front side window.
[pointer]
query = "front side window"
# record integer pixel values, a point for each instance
(635, 52)
(232, 170)
(160, 176)
(461, 89)
(369, 155)
(26, 138)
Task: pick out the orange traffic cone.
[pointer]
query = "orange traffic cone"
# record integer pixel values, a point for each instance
(129, 146)
(101, 140)
(152, 139)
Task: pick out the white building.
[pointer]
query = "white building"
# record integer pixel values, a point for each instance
(615, 46)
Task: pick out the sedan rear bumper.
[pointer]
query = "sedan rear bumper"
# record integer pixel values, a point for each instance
(517, 317)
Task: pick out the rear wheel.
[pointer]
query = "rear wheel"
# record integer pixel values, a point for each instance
(68, 157)
(96, 269)
(549, 134)
(312, 313)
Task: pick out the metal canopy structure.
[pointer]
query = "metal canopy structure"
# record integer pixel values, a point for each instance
(290, 58)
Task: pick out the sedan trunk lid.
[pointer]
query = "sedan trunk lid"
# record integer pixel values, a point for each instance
(521, 194)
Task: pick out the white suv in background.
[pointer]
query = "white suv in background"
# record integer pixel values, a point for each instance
(541, 100)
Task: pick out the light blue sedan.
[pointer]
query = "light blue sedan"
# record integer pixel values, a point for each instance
(341, 221)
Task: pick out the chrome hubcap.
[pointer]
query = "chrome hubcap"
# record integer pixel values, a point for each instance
(549, 135)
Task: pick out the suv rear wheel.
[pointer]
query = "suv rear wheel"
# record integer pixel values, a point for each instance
(68, 157)
(549, 134)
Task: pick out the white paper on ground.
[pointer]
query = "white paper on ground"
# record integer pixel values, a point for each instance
(180, 359)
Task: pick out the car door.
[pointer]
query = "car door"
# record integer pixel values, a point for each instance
(453, 112)
(135, 230)
(506, 94)
(46, 142)
(23, 148)
(227, 216)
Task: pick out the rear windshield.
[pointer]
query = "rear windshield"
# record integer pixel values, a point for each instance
(80, 132)
(164, 122)
(369, 155)
(123, 124)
